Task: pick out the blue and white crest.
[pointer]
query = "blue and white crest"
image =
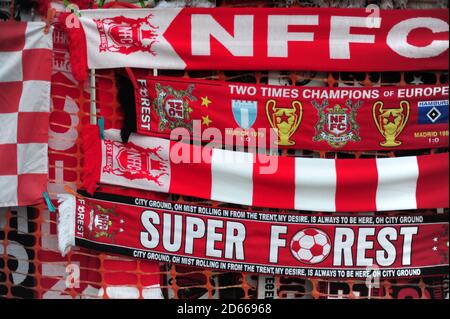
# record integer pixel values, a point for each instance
(244, 113)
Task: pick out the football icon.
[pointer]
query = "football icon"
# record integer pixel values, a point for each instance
(310, 246)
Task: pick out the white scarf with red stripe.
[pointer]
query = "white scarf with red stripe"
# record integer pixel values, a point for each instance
(321, 39)
(342, 185)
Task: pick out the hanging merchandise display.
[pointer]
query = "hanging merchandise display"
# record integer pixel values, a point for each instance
(316, 39)
(266, 116)
(338, 246)
(289, 150)
(316, 184)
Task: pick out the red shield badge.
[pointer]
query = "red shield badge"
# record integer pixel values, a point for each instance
(101, 222)
(174, 108)
(337, 123)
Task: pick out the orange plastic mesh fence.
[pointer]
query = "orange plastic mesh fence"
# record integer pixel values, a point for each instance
(31, 267)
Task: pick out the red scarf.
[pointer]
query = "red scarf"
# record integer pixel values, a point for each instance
(353, 119)
(149, 163)
(320, 39)
(314, 246)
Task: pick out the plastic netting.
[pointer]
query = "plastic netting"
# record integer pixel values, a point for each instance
(31, 266)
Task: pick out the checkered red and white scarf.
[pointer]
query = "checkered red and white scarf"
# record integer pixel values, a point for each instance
(24, 111)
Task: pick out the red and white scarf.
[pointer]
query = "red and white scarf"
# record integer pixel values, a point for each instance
(320, 39)
(372, 118)
(314, 246)
(24, 111)
(120, 277)
(149, 163)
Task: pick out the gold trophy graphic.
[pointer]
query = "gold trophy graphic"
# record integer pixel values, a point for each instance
(284, 120)
(390, 121)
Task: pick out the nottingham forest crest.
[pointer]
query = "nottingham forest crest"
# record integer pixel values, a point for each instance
(126, 35)
(172, 107)
(101, 222)
(132, 162)
(337, 124)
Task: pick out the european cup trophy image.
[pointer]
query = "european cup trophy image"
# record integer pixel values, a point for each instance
(285, 120)
(390, 121)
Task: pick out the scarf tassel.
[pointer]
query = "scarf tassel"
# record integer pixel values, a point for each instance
(66, 222)
(66, 240)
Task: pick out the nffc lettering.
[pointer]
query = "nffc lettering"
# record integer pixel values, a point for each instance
(240, 41)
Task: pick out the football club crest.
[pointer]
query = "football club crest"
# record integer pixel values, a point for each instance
(244, 113)
(136, 162)
(337, 124)
(126, 35)
(172, 107)
(433, 112)
(101, 224)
